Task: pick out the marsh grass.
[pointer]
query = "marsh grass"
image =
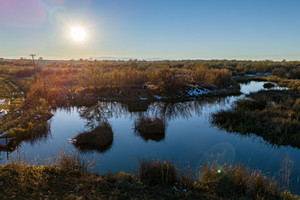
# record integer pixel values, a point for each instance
(150, 128)
(68, 178)
(285, 172)
(235, 182)
(154, 172)
(273, 115)
(269, 85)
(100, 138)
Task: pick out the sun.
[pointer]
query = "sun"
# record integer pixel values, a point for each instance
(77, 33)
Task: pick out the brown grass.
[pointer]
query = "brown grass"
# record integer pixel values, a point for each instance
(150, 128)
(100, 138)
(154, 172)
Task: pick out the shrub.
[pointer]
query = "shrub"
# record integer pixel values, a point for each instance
(269, 85)
(236, 182)
(147, 126)
(99, 138)
(280, 72)
(273, 115)
(295, 73)
(153, 172)
(71, 162)
(249, 104)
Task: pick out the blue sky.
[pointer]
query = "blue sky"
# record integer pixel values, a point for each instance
(146, 29)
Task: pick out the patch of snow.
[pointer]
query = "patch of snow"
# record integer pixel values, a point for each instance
(159, 97)
(143, 98)
(72, 141)
(250, 75)
(150, 86)
(267, 74)
(197, 91)
(1, 134)
(3, 112)
(181, 75)
(2, 101)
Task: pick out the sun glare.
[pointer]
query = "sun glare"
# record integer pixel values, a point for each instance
(78, 33)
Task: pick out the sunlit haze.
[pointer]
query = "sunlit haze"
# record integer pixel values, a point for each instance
(78, 33)
(169, 29)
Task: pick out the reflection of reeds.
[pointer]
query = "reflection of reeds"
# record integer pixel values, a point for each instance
(99, 139)
(150, 128)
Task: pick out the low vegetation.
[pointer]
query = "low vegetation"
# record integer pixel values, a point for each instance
(68, 178)
(100, 139)
(30, 93)
(273, 115)
(24, 119)
(150, 128)
(269, 85)
(152, 172)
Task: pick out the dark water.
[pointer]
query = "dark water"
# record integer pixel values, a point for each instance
(189, 137)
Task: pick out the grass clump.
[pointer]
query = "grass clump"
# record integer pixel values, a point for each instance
(236, 182)
(153, 172)
(100, 138)
(68, 178)
(150, 128)
(273, 115)
(269, 85)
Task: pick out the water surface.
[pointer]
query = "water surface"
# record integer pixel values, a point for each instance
(189, 137)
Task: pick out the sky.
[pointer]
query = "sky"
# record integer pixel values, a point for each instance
(151, 29)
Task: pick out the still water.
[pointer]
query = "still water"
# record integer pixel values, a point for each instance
(189, 137)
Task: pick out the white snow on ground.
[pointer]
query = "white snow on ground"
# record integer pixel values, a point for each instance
(2, 101)
(197, 91)
(143, 98)
(159, 97)
(181, 75)
(3, 112)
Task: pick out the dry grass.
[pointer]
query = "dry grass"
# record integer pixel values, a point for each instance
(153, 172)
(100, 138)
(150, 128)
(68, 178)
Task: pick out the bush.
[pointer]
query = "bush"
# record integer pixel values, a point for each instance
(269, 85)
(71, 162)
(249, 104)
(100, 139)
(273, 115)
(150, 129)
(280, 72)
(153, 172)
(295, 73)
(236, 182)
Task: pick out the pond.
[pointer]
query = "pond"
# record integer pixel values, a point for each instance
(190, 139)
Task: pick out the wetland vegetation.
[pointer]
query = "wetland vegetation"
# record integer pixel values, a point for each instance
(100, 89)
(68, 178)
